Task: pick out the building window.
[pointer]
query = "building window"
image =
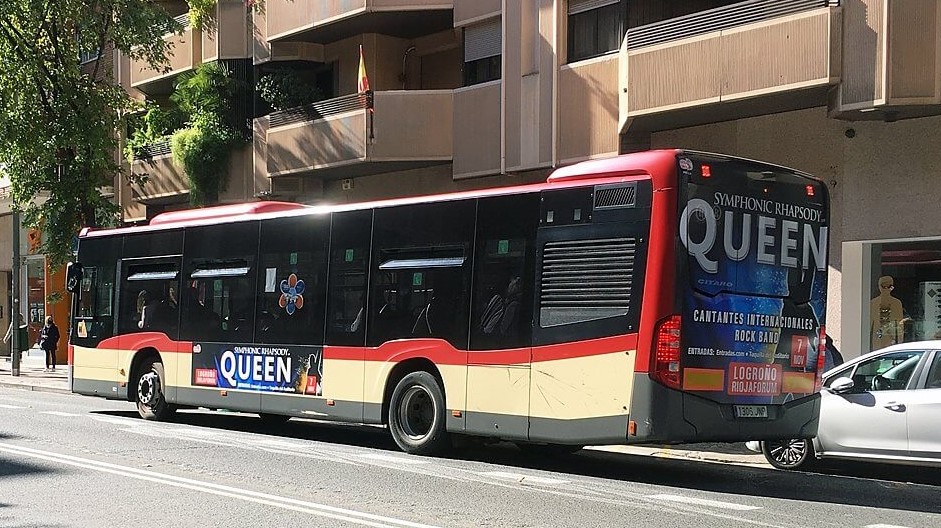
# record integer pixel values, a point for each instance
(483, 49)
(595, 27)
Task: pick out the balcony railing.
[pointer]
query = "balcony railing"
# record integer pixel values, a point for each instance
(709, 66)
(718, 19)
(321, 110)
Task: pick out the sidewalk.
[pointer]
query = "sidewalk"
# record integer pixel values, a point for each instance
(32, 376)
(735, 453)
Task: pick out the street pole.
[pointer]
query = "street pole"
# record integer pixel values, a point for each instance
(15, 309)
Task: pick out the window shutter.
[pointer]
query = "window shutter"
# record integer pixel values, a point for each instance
(580, 6)
(482, 41)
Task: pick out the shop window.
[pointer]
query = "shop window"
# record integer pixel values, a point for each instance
(595, 27)
(904, 293)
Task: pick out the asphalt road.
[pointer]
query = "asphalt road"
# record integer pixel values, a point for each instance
(75, 461)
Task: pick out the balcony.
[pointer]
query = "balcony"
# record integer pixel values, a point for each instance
(750, 58)
(322, 22)
(167, 183)
(340, 138)
(892, 60)
(185, 55)
(477, 130)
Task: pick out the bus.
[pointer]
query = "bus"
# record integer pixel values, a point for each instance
(666, 296)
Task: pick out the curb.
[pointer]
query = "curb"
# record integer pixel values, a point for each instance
(34, 388)
(756, 460)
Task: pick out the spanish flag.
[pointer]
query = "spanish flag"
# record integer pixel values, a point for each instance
(362, 84)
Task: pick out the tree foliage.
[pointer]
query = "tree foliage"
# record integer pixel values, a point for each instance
(57, 132)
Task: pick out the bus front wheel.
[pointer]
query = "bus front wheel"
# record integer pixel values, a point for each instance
(417, 415)
(151, 399)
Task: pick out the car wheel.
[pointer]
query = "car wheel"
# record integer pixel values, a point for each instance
(789, 454)
(151, 399)
(417, 415)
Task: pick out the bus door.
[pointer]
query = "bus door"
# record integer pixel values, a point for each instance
(499, 356)
(148, 315)
(591, 256)
(95, 367)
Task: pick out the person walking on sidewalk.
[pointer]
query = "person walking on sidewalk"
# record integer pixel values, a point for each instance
(49, 341)
(22, 328)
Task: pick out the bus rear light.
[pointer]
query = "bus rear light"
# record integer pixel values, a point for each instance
(706, 171)
(810, 190)
(667, 352)
(821, 358)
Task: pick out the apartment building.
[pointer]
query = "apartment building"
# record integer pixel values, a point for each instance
(476, 93)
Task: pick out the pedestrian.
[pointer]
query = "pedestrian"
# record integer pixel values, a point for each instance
(49, 341)
(22, 328)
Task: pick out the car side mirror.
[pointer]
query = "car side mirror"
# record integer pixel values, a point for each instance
(842, 385)
(73, 276)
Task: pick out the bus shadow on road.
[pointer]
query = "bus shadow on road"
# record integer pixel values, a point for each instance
(912, 489)
(893, 488)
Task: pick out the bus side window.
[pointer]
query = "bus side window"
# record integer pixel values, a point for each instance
(349, 260)
(421, 269)
(292, 280)
(503, 272)
(217, 299)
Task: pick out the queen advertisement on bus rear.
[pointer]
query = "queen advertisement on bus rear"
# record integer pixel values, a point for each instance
(753, 315)
(262, 368)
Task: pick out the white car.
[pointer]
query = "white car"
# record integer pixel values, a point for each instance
(883, 407)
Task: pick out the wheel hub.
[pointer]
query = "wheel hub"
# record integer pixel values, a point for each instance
(789, 452)
(417, 412)
(147, 388)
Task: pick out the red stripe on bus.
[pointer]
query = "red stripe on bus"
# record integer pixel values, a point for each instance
(438, 351)
(137, 341)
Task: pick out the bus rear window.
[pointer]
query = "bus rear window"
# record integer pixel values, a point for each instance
(752, 229)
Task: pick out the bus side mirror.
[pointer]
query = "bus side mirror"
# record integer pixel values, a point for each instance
(73, 276)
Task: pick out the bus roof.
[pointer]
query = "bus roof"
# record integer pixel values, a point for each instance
(626, 167)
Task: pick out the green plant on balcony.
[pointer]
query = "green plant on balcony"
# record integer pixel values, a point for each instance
(202, 13)
(153, 125)
(203, 147)
(285, 89)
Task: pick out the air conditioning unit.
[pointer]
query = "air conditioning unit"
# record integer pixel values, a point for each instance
(287, 185)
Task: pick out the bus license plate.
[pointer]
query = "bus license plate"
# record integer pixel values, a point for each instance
(751, 411)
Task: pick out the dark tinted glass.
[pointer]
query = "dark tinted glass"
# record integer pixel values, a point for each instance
(503, 272)
(483, 70)
(153, 244)
(349, 263)
(422, 272)
(219, 276)
(595, 32)
(292, 286)
(149, 290)
(95, 309)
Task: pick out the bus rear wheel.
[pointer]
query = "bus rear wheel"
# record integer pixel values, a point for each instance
(416, 415)
(151, 399)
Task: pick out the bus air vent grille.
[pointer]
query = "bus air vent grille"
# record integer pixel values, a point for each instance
(583, 280)
(609, 197)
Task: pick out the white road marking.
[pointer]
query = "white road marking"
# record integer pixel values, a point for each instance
(884, 526)
(58, 413)
(519, 477)
(393, 459)
(703, 502)
(302, 506)
(5, 406)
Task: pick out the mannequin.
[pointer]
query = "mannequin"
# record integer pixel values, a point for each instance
(885, 316)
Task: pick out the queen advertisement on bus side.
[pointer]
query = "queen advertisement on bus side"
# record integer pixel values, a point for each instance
(753, 314)
(266, 368)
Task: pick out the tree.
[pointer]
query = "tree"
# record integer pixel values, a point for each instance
(58, 120)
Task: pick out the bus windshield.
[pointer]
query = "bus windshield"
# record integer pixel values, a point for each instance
(755, 238)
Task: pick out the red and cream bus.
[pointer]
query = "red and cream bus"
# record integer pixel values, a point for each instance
(665, 296)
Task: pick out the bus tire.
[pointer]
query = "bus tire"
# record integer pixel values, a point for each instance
(417, 415)
(791, 454)
(151, 398)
